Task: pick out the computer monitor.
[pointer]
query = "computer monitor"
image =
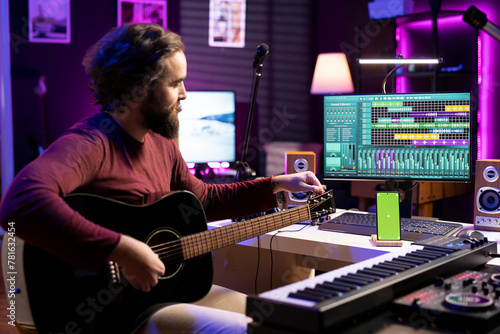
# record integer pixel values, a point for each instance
(403, 137)
(207, 127)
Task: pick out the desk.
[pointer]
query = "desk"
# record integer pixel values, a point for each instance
(295, 256)
(301, 249)
(296, 252)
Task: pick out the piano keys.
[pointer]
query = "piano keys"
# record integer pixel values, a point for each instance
(332, 299)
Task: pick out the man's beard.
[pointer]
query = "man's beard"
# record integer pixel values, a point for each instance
(159, 118)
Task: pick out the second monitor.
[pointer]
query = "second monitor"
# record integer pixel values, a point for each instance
(207, 127)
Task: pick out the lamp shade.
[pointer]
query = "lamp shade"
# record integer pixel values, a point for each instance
(332, 74)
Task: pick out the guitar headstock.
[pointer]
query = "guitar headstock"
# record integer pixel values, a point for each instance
(321, 205)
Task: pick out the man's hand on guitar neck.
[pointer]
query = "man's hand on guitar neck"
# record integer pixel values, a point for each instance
(298, 182)
(140, 265)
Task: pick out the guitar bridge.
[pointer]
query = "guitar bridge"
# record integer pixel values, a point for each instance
(113, 272)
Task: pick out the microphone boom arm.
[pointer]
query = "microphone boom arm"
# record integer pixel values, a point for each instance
(478, 20)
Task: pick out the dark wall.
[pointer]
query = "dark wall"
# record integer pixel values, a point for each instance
(284, 87)
(296, 32)
(283, 110)
(68, 98)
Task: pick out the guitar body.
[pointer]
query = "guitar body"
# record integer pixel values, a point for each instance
(65, 299)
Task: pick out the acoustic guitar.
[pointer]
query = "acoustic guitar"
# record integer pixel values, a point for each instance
(66, 299)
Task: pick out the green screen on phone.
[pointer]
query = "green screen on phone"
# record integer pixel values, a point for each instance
(388, 219)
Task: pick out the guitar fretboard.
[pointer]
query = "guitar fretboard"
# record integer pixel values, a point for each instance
(201, 243)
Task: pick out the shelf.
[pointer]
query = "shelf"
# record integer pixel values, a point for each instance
(425, 16)
(415, 17)
(453, 40)
(432, 39)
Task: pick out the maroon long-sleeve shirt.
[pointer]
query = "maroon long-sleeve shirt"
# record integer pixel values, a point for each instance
(97, 156)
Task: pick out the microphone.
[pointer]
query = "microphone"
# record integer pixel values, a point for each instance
(478, 20)
(261, 53)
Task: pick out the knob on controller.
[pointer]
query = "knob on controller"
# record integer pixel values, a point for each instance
(466, 301)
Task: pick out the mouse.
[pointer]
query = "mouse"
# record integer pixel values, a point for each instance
(470, 234)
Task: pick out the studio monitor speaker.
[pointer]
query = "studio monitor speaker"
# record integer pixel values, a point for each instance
(487, 195)
(296, 162)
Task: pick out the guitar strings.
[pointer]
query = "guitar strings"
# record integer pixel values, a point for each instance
(167, 249)
(173, 250)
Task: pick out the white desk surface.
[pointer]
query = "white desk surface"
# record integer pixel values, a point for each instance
(308, 240)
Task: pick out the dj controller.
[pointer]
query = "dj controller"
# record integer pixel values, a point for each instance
(468, 301)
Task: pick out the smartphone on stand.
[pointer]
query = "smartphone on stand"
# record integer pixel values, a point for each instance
(388, 216)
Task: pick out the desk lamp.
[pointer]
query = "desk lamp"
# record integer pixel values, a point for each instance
(400, 62)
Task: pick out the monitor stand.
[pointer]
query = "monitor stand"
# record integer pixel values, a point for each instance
(406, 204)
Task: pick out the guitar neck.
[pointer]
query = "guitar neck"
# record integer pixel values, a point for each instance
(201, 243)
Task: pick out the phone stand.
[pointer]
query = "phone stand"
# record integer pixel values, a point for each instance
(386, 243)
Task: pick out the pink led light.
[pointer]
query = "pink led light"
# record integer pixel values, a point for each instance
(442, 21)
(214, 164)
(479, 152)
(479, 81)
(486, 98)
(398, 51)
(402, 48)
(479, 148)
(479, 61)
(488, 69)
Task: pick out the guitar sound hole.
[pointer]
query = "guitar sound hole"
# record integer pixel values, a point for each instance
(167, 245)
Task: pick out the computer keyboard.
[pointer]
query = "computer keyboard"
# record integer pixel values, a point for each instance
(411, 229)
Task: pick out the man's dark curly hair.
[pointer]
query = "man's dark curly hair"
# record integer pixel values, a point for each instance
(128, 59)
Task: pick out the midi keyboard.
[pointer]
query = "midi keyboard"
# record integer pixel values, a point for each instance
(332, 299)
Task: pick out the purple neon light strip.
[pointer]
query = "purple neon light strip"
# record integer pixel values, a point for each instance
(487, 51)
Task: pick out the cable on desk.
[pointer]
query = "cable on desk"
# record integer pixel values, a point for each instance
(258, 265)
(271, 250)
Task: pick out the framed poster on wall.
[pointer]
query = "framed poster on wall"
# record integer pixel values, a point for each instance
(226, 26)
(49, 21)
(142, 11)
